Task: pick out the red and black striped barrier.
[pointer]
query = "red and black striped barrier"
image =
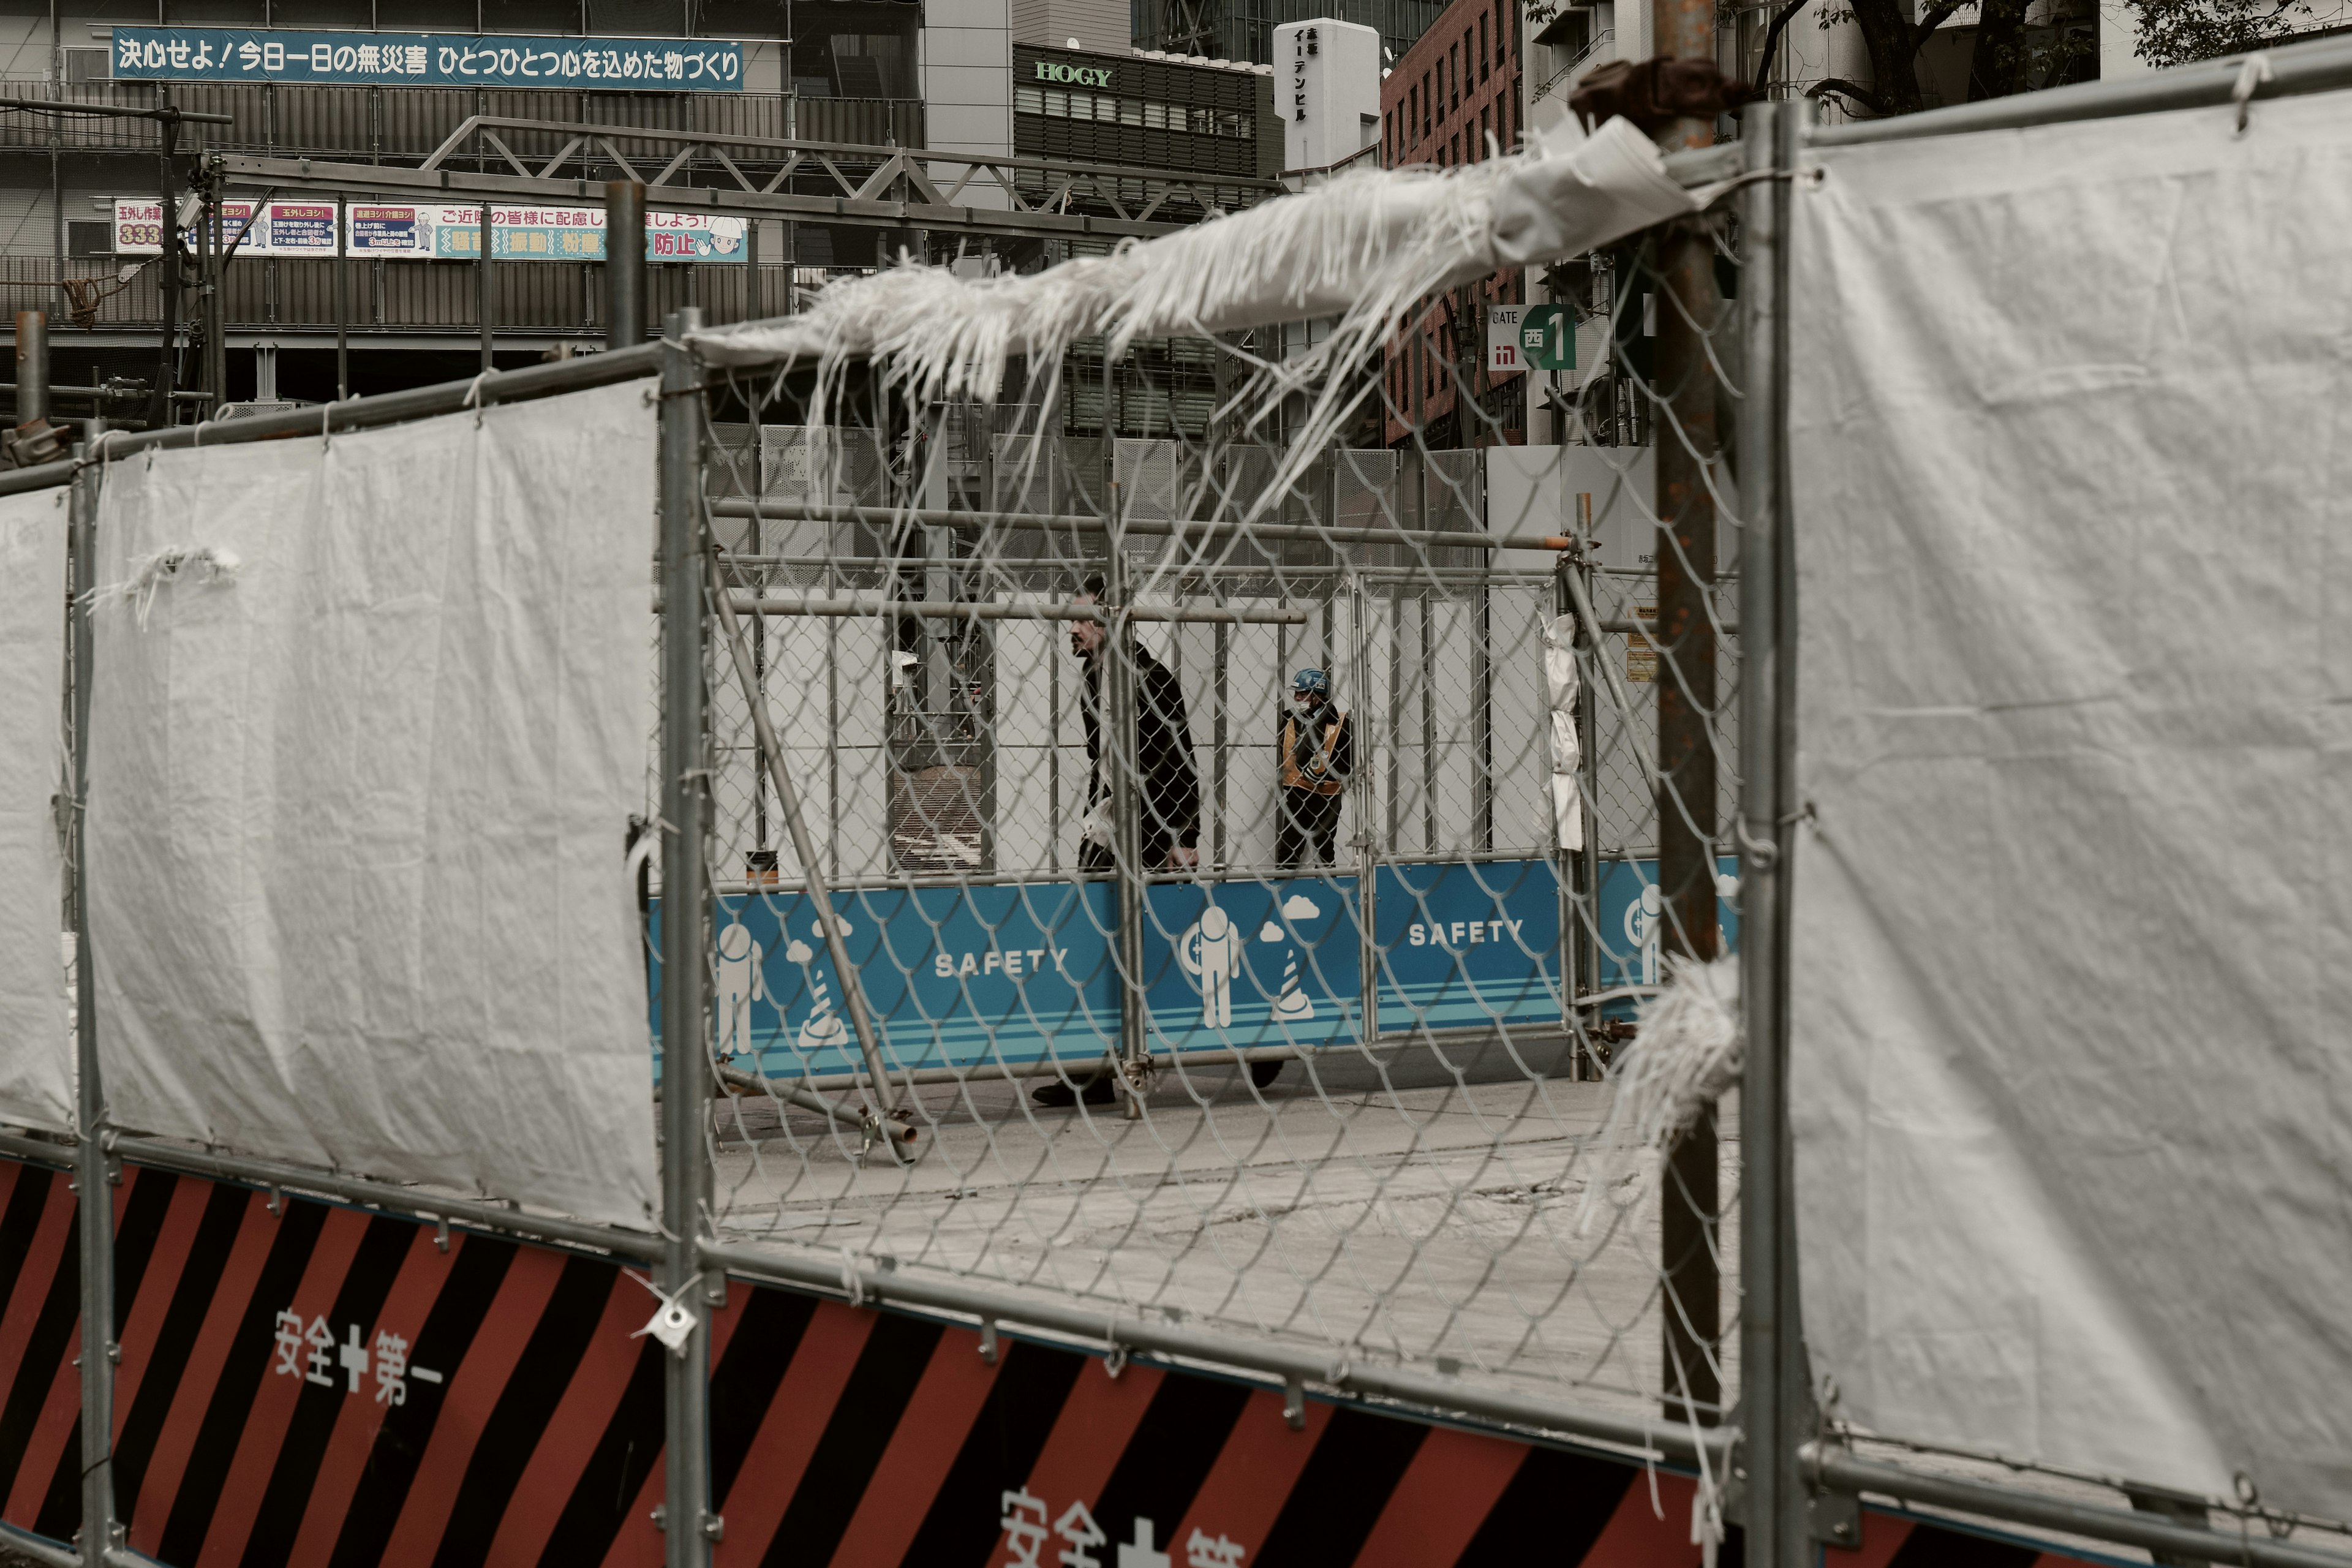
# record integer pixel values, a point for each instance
(305, 1384)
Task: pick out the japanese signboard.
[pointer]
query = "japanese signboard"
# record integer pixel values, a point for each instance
(302, 1382)
(1547, 337)
(426, 59)
(434, 231)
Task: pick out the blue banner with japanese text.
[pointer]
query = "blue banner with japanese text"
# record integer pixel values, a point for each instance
(426, 59)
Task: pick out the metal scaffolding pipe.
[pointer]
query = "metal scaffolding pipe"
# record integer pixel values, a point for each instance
(1839, 1469)
(1106, 1324)
(393, 408)
(743, 602)
(685, 954)
(980, 523)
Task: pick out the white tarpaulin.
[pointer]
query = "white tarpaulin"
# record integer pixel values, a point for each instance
(36, 1068)
(2073, 903)
(368, 727)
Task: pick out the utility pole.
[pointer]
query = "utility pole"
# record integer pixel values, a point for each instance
(1686, 441)
(159, 408)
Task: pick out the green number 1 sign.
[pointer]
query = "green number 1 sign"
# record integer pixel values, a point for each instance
(1547, 337)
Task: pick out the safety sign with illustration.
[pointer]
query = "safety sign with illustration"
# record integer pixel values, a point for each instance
(1253, 963)
(1014, 972)
(1633, 922)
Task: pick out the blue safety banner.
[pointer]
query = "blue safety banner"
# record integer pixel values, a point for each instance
(426, 59)
(1015, 972)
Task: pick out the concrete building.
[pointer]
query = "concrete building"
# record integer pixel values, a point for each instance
(865, 80)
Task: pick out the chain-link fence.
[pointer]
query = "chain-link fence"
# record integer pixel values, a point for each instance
(1235, 935)
(1174, 851)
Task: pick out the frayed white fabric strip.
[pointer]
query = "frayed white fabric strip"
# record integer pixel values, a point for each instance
(193, 564)
(1688, 1049)
(1363, 248)
(2250, 76)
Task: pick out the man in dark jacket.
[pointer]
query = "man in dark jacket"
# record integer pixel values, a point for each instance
(1170, 785)
(1169, 792)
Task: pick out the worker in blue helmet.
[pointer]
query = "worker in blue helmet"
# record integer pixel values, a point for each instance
(1318, 754)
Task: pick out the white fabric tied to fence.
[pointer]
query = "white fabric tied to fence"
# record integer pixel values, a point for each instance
(1362, 248)
(2074, 899)
(37, 1061)
(360, 788)
(1561, 685)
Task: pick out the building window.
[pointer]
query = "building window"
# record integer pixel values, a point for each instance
(1452, 90)
(1482, 46)
(1425, 103)
(89, 236)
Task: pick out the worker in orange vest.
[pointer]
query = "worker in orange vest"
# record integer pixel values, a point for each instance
(1318, 752)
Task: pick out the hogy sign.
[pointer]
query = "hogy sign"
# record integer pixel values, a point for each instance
(1075, 75)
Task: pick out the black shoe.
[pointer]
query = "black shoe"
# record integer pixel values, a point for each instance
(1263, 1074)
(1058, 1095)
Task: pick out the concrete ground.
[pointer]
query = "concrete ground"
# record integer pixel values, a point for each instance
(1452, 1208)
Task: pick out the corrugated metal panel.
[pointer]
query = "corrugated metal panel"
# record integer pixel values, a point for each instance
(26, 226)
(29, 283)
(248, 105)
(416, 119)
(866, 121)
(20, 131)
(323, 119)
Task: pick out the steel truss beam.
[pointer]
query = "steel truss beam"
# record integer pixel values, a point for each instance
(875, 187)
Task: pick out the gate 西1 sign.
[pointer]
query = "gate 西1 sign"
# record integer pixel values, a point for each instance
(1504, 355)
(1548, 337)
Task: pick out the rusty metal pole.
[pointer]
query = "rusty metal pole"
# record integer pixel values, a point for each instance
(32, 366)
(484, 305)
(1685, 436)
(167, 274)
(624, 263)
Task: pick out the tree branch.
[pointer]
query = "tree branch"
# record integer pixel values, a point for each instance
(1773, 42)
(1935, 18)
(1837, 84)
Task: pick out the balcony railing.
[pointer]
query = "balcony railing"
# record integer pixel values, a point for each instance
(529, 299)
(401, 124)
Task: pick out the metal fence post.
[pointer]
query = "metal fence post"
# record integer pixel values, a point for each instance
(686, 1078)
(485, 307)
(343, 296)
(1367, 869)
(96, 1192)
(1120, 750)
(1775, 1406)
(624, 263)
(1687, 448)
(32, 366)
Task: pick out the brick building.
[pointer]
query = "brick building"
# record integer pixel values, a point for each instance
(1454, 98)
